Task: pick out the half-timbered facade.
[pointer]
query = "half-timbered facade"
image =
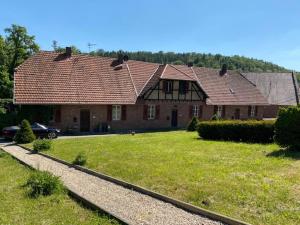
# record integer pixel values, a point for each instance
(94, 94)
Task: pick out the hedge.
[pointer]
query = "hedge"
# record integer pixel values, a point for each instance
(237, 130)
(287, 128)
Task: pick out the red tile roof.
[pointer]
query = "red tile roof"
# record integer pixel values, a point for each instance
(171, 72)
(229, 89)
(53, 78)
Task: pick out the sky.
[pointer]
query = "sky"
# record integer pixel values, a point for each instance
(262, 29)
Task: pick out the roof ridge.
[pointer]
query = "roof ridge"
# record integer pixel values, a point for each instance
(180, 71)
(198, 80)
(136, 93)
(241, 74)
(295, 83)
(92, 56)
(142, 89)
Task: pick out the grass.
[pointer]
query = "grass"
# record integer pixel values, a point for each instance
(257, 183)
(16, 207)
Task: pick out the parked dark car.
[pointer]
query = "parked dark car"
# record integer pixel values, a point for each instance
(40, 131)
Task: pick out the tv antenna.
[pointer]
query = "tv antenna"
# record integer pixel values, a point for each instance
(90, 45)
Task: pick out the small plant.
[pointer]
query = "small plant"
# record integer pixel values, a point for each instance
(287, 128)
(43, 183)
(42, 145)
(216, 117)
(80, 159)
(2, 154)
(192, 126)
(24, 134)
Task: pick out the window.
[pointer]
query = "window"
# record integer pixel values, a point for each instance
(116, 112)
(183, 87)
(252, 112)
(168, 86)
(219, 111)
(196, 110)
(151, 112)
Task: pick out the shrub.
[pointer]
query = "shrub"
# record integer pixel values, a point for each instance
(43, 183)
(287, 127)
(24, 134)
(192, 126)
(80, 159)
(2, 154)
(237, 130)
(42, 145)
(216, 117)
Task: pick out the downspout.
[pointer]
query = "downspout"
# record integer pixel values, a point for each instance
(296, 87)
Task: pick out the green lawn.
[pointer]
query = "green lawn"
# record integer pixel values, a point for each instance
(17, 208)
(256, 183)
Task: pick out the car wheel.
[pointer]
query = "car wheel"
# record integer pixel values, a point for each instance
(52, 135)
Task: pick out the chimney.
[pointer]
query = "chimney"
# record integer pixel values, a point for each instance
(68, 51)
(120, 58)
(223, 71)
(125, 58)
(190, 64)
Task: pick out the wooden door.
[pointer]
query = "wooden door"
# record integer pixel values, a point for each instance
(84, 120)
(174, 118)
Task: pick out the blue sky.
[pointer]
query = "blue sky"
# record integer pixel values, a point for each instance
(268, 30)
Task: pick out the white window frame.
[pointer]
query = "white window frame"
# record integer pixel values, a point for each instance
(219, 110)
(116, 112)
(151, 112)
(252, 112)
(196, 110)
(169, 86)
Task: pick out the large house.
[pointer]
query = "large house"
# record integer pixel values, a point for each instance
(92, 93)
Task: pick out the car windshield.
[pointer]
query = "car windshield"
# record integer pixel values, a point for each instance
(37, 125)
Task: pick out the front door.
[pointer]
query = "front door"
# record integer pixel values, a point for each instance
(174, 118)
(237, 114)
(84, 120)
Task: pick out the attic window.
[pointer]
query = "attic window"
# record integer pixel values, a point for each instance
(231, 91)
(168, 86)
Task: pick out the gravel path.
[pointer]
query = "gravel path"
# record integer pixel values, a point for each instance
(129, 205)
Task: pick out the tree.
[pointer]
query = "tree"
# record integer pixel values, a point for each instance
(19, 46)
(5, 83)
(25, 134)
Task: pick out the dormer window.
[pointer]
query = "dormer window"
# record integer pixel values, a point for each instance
(183, 87)
(168, 86)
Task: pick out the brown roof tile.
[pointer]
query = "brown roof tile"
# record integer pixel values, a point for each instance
(53, 78)
(278, 88)
(229, 89)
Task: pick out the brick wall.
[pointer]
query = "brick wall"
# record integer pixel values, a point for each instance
(70, 116)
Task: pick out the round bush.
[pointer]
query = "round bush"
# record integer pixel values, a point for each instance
(287, 127)
(43, 183)
(42, 145)
(24, 134)
(192, 126)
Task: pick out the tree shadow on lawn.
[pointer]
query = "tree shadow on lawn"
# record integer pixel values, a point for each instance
(286, 152)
